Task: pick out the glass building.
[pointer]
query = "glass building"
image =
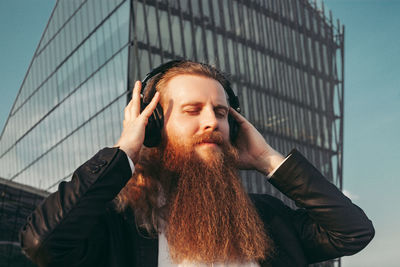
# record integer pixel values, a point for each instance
(285, 59)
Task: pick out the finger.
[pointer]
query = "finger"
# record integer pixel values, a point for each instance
(127, 113)
(151, 106)
(134, 104)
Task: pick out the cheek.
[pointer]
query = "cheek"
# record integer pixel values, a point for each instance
(178, 127)
(224, 128)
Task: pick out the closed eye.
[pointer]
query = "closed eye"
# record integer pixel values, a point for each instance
(221, 112)
(192, 111)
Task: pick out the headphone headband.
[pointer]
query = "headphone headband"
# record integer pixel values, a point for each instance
(161, 69)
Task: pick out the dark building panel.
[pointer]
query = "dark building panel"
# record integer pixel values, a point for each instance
(16, 203)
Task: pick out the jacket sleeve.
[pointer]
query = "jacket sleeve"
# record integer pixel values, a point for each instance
(328, 223)
(57, 231)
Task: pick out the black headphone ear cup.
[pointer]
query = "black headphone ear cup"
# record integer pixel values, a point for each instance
(233, 128)
(154, 126)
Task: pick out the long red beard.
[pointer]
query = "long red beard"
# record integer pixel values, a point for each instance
(209, 216)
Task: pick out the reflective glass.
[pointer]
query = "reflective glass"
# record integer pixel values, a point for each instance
(188, 39)
(199, 44)
(152, 25)
(139, 21)
(226, 6)
(176, 35)
(216, 12)
(90, 14)
(164, 31)
(210, 47)
(221, 51)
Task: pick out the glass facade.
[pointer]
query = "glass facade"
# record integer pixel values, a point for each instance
(71, 99)
(285, 59)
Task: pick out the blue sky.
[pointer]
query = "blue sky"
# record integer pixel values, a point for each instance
(372, 104)
(372, 120)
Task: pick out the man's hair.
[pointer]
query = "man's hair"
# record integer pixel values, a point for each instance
(187, 67)
(142, 192)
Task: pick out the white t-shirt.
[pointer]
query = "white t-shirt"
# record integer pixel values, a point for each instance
(164, 259)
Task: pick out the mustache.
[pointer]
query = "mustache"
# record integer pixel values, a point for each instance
(208, 137)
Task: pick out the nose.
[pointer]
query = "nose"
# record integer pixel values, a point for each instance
(209, 120)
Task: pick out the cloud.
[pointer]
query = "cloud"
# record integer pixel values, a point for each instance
(350, 195)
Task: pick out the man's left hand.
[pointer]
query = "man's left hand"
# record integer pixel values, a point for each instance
(254, 151)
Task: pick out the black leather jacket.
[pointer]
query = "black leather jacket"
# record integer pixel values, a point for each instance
(78, 226)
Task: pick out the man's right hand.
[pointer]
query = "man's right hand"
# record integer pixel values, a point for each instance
(134, 123)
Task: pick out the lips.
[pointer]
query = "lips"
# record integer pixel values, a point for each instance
(208, 143)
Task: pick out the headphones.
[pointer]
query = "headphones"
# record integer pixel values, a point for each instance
(156, 120)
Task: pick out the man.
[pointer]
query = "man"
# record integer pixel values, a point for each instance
(184, 205)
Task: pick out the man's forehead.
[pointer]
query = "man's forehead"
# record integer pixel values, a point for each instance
(186, 88)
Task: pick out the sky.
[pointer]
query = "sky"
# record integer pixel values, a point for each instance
(372, 120)
(372, 104)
